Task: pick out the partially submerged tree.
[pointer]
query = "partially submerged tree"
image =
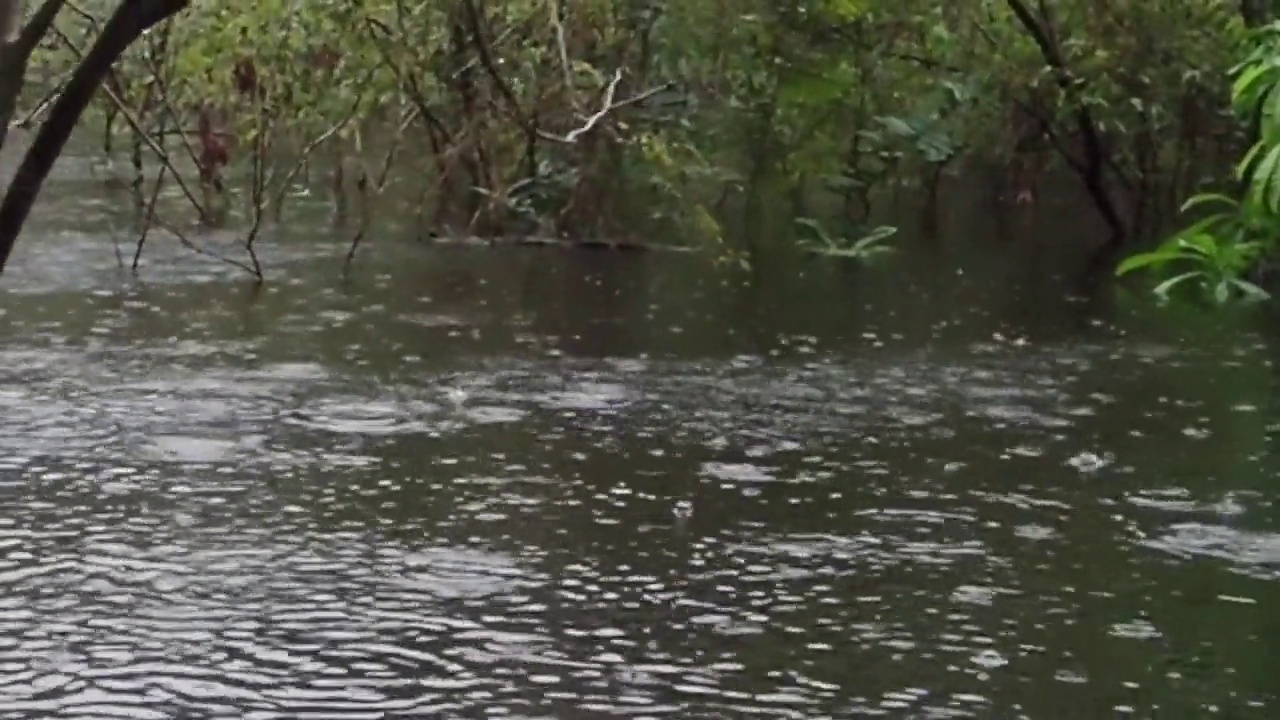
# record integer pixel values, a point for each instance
(619, 121)
(128, 22)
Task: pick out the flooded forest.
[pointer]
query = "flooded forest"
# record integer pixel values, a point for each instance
(588, 359)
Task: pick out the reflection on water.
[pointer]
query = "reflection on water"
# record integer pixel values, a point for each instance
(545, 484)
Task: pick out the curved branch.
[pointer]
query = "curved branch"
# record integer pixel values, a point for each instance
(36, 28)
(15, 52)
(1096, 158)
(130, 20)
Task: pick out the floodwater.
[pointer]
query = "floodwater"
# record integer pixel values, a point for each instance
(531, 483)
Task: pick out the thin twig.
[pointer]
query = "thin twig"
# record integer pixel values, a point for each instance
(136, 125)
(186, 242)
(312, 146)
(564, 51)
(147, 219)
(257, 191)
(366, 210)
(44, 103)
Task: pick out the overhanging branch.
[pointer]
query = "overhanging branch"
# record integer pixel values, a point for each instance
(127, 23)
(1096, 158)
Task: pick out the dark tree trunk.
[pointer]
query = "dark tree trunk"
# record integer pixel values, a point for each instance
(15, 52)
(1095, 156)
(130, 20)
(1255, 12)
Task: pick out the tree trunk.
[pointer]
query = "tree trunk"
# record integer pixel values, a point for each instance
(130, 20)
(1255, 13)
(10, 20)
(1092, 167)
(16, 47)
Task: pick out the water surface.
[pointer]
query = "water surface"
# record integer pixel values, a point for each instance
(542, 484)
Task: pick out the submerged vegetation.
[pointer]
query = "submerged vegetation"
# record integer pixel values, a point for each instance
(619, 121)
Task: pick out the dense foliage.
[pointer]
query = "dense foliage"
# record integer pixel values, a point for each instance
(606, 119)
(1217, 253)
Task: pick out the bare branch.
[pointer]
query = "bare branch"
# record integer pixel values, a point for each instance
(36, 28)
(1096, 159)
(607, 105)
(186, 242)
(556, 23)
(136, 125)
(129, 21)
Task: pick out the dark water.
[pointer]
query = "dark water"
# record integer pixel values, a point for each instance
(540, 484)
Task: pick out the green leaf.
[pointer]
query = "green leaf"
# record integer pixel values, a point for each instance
(1251, 292)
(816, 228)
(876, 235)
(1244, 167)
(1147, 259)
(1205, 198)
(1242, 90)
(897, 126)
(1263, 182)
(1200, 228)
(1199, 242)
(1222, 292)
(1162, 290)
(1268, 125)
